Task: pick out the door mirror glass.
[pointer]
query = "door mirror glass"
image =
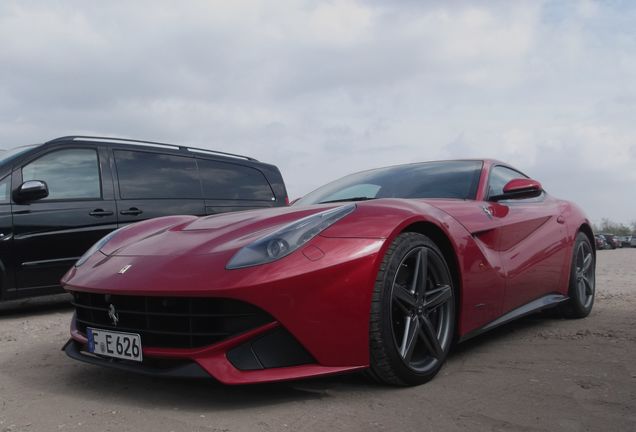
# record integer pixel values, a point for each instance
(519, 188)
(31, 190)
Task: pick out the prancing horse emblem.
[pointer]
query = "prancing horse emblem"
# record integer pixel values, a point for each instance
(124, 269)
(113, 315)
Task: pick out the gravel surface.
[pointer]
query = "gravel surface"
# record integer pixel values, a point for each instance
(537, 374)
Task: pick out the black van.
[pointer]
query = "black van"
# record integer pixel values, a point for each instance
(60, 197)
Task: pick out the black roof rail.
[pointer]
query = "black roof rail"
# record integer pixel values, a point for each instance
(148, 143)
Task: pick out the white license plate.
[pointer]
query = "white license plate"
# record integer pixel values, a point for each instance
(114, 344)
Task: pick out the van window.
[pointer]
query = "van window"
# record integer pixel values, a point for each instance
(4, 190)
(233, 182)
(69, 174)
(153, 175)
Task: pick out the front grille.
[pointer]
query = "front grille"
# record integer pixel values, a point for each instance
(169, 322)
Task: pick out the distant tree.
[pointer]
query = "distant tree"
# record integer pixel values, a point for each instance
(611, 227)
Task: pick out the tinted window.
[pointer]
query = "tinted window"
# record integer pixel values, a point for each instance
(153, 175)
(499, 176)
(69, 174)
(236, 182)
(451, 179)
(4, 189)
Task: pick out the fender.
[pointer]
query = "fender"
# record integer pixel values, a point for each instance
(481, 278)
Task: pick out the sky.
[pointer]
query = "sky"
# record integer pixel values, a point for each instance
(324, 89)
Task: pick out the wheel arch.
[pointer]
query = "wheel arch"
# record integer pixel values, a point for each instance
(443, 242)
(586, 229)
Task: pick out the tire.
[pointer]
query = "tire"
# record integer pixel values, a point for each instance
(582, 285)
(412, 320)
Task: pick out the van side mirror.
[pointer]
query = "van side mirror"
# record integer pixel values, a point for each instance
(519, 189)
(31, 190)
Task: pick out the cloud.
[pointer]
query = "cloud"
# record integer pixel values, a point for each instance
(325, 88)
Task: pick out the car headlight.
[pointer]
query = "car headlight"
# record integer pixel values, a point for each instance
(287, 239)
(95, 248)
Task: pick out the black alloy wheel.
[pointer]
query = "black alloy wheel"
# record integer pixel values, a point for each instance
(412, 313)
(582, 287)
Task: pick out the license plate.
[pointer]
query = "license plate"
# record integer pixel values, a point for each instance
(114, 344)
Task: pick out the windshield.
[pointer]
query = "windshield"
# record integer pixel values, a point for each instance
(7, 155)
(448, 179)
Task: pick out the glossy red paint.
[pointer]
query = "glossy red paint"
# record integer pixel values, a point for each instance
(505, 254)
(522, 184)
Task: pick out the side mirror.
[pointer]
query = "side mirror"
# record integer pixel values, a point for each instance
(31, 190)
(518, 189)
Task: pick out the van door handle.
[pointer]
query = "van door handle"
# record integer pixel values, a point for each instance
(101, 212)
(133, 211)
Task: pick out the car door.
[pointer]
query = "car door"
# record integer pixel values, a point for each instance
(531, 238)
(50, 234)
(6, 237)
(152, 184)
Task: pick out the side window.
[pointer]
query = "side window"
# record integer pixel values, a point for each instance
(4, 189)
(499, 176)
(69, 174)
(233, 182)
(153, 175)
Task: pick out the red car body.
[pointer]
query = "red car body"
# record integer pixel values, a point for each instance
(506, 260)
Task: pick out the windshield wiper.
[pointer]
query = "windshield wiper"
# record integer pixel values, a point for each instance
(347, 199)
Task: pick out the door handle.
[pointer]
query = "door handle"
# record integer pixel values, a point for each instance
(133, 211)
(560, 219)
(100, 212)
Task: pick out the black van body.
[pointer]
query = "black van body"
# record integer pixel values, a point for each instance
(58, 198)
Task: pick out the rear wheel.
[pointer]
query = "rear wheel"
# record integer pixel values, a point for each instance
(582, 280)
(412, 312)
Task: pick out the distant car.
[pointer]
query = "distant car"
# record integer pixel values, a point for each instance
(612, 240)
(601, 243)
(626, 241)
(380, 270)
(633, 240)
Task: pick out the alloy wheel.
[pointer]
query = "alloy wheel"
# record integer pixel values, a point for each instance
(585, 278)
(422, 309)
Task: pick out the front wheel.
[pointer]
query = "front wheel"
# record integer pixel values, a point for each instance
(412, 313)
(582, 280)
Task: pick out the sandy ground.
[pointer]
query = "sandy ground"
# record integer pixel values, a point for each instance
(538, 374)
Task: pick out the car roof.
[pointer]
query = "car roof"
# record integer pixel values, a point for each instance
(143, 143)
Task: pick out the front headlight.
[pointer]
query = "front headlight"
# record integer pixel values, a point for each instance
(96, 247)
(287, 239)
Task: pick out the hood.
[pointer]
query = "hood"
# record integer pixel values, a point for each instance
(180, 235)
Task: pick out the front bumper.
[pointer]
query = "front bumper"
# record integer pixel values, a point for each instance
(178, 369)
(321, 299)
(223, 361)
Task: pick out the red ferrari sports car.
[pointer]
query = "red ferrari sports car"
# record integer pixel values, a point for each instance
(380, 271)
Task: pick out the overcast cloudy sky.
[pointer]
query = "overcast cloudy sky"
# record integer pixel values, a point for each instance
(323, 89)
